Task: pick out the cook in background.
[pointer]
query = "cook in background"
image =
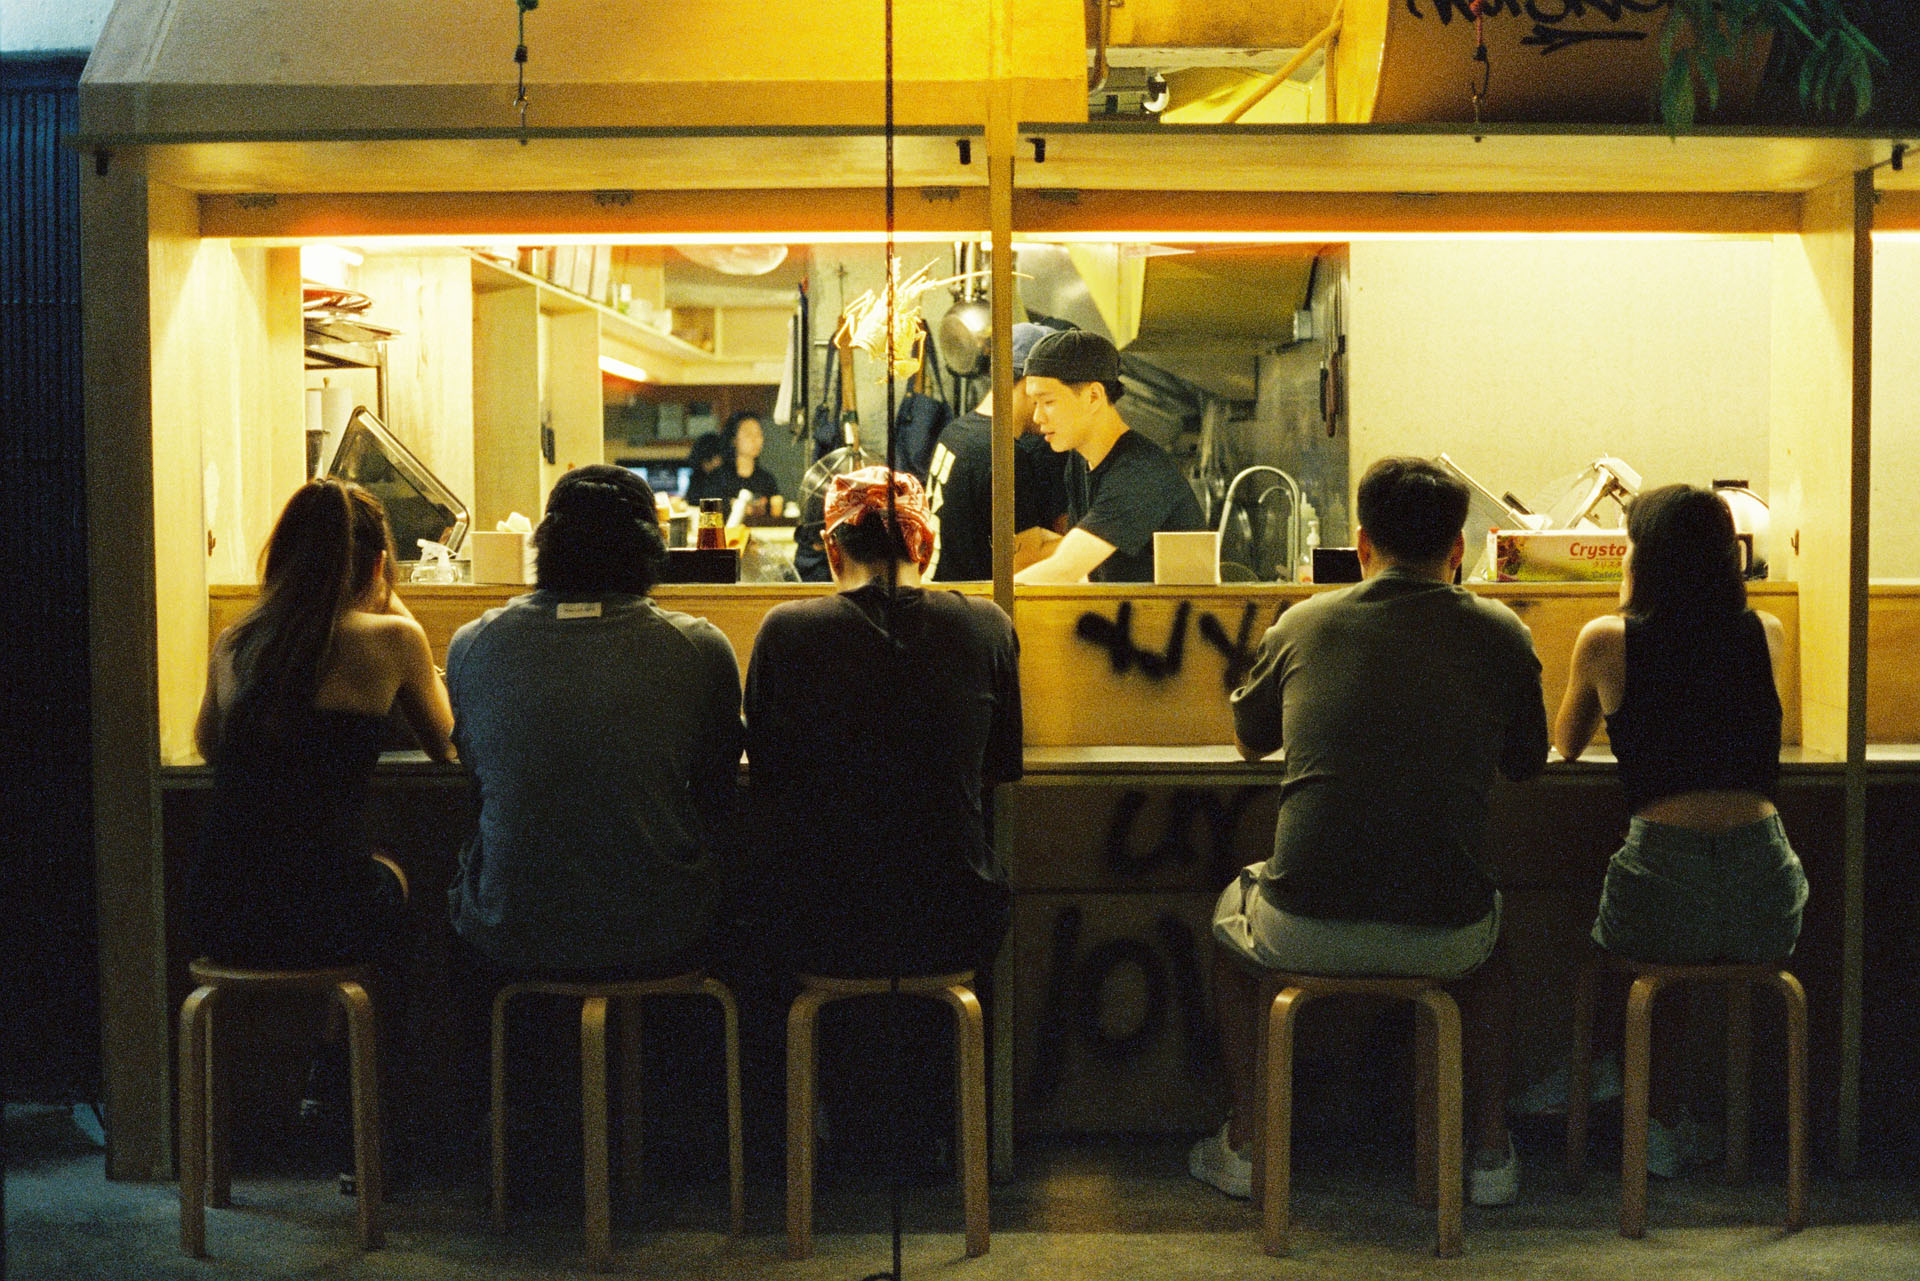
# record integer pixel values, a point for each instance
(960, 479)
(742, 439)
(1121, 487)
(705, 456)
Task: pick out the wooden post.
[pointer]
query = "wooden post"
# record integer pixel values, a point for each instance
(1822, 365)
(117, 346)
(1001, 131)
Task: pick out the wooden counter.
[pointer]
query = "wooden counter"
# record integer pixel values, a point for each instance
(1073, 694)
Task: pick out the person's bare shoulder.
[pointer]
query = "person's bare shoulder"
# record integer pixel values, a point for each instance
(1602, 644)
(381, 634)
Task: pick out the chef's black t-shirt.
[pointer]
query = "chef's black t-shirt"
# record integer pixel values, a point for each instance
(1135, 492)
(960, 495)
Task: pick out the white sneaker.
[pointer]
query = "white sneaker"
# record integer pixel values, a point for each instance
(1548, 1096)
(1214, 1162)
(1498, 1184)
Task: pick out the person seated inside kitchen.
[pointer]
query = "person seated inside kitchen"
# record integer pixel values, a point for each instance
(878, 719)
(1687, 678)
(602, 734)
(1121, 487)
(960, 480)
(742, 440)
(704, 458)
(1396, 700)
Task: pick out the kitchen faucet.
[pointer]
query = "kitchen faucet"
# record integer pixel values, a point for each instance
(1295, 530)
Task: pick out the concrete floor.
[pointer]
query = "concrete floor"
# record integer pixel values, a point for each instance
(1092, 1209)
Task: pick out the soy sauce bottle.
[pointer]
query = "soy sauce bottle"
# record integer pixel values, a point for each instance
(711, 532)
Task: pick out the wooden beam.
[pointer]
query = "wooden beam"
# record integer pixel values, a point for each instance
(1336, 215)
(798, 214)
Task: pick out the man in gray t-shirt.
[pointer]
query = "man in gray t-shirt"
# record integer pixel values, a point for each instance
(603, 734)
(1396, 700)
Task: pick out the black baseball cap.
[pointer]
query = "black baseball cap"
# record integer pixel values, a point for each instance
(1074, 356)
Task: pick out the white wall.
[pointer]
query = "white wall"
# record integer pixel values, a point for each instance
(50, 26)
(1526, 360)
(1895, 533)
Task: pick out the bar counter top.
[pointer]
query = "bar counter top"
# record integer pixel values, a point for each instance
(1144, 764)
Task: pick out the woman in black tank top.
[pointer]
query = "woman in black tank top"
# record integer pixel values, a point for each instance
(296, 705)
(1685, 677)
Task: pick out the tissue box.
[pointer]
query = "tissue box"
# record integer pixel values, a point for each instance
(1556, 555)
(500, 558)
(1188, 559)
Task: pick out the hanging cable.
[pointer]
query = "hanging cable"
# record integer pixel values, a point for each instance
(1478, 92)
(520, 66)
(892, 273)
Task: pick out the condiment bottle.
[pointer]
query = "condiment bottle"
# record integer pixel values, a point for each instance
(712, 529)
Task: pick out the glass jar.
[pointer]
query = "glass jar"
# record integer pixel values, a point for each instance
(711, 531)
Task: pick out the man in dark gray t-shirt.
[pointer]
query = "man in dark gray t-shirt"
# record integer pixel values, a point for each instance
(603, 734)
(1397, 700)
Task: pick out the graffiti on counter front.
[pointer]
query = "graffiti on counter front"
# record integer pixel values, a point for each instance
(1115, 635)
(1550, 34)
(1076, 996)
(1187, 809)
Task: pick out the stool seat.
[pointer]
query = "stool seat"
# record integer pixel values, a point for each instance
(205, 1098)
(206, 971)
(1647, 978)
(970, 1070)
(593, 996)
(1438, 1143)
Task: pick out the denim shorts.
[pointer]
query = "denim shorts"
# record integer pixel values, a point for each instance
(1688, 897)
(1246, 922)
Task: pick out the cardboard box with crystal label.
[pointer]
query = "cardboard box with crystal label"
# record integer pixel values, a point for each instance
(1556, 555)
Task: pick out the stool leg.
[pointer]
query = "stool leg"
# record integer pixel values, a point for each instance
(1426, 1107)
(498, 1116)
(219, 1119)
(1257, 1123)
(1796, 998)
(194, 1016)
(801, 1022)
(736, 1163)
(632, 1122)
(1633, 1124)
(364, 1066)
(1580, 1073)
(1447, 1122)
(593, 1129)
(970, 1067)
(1739, 1068)
(1276, 1209)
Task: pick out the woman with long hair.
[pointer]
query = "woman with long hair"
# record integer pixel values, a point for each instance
(1686, 676)
(298, 693)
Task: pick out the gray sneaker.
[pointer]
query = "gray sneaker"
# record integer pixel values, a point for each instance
(1548, 1096)
(1214, 1162)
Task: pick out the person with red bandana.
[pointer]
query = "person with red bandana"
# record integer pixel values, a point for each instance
(878, 719)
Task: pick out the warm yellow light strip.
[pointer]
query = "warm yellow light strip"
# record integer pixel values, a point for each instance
(1336, 236)
(500, 237)
(621, 369)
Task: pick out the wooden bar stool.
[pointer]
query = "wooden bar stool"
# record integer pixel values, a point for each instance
(1647, 980)
(970, 1059)
(1438, 1159)
(593, 998)
(205, 1094)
